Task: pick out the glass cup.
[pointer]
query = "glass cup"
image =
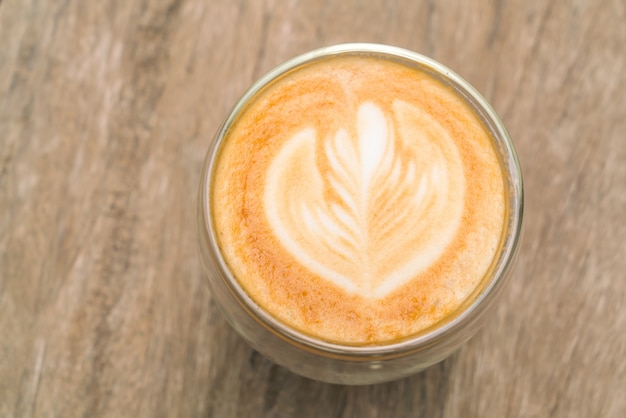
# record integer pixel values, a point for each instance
(344, 364)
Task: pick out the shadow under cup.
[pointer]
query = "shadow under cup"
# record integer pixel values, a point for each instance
(345, 364)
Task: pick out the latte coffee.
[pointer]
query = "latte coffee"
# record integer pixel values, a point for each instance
(360, 208)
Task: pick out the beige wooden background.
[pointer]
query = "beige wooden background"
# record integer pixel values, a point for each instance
(106, 110)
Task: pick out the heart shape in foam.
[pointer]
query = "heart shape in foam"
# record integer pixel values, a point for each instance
(368, 213)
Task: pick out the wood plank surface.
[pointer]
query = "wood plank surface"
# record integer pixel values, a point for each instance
(106, 111)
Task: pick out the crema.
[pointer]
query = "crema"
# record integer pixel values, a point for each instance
(358, 200)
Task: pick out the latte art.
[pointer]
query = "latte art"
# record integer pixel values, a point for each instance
(358, 200)
(393, 192)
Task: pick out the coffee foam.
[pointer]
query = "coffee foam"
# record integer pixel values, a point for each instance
(358, 200)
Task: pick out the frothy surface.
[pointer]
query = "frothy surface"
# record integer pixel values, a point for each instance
(358, 200)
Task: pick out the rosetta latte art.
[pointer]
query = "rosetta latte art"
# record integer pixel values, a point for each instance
(368, 211)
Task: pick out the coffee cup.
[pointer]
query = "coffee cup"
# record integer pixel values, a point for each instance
(359, 212)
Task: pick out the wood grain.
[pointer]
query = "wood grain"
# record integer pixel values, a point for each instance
(106, 110)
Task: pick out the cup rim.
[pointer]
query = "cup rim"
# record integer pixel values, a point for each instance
(510, 166)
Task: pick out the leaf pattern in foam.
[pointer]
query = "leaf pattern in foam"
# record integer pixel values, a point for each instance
(368, 203)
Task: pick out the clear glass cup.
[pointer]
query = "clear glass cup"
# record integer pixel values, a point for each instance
(344, 364)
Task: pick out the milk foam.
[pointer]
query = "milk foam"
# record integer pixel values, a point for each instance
(403, 163)
(358, 200)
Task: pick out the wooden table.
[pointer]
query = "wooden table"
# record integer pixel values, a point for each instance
(106, 111)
